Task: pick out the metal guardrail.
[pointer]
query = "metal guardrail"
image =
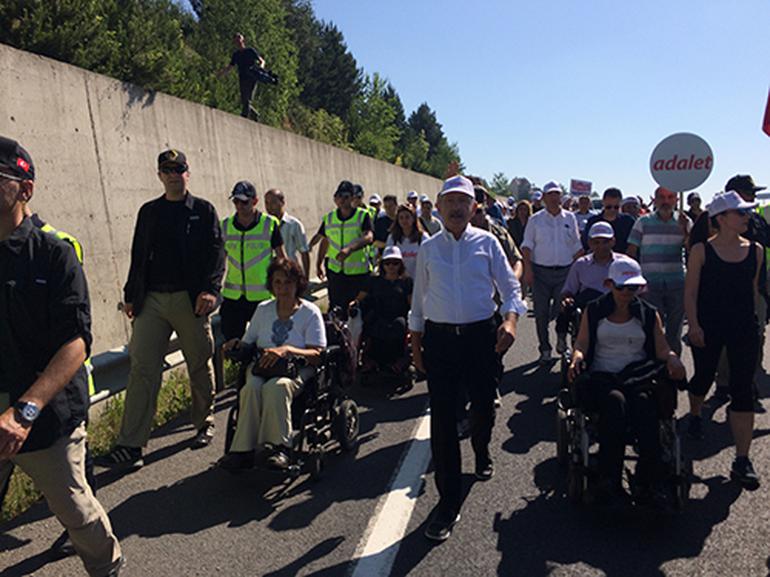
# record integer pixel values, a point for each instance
(111, 368)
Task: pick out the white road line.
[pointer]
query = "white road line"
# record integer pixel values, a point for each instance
(376, 552)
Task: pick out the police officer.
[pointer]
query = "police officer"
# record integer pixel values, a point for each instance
(45, 337)
(251, 239)
(348, 231)
(174, 281)
(455, 339)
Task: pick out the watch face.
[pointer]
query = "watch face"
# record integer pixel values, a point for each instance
(29, 412)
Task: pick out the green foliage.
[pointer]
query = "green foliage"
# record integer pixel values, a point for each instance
(373, 130)
(318, 125)
(499, 185)
(441, 154)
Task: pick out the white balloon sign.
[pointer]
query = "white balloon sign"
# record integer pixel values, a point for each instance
(681, 162)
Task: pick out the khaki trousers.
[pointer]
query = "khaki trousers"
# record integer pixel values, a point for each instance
(264, 412)
(162, 314)
(59, 473)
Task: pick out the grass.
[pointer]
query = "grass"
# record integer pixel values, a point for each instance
(174, 399)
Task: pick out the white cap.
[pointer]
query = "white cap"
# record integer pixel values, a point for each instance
(392, 253)
(626, 271)
(457, 184)
(552, 186)
(601, 229)
(375, 199)
(424, 198)
(629, 200)
(730, 200)
(411, 194)
(537, 195)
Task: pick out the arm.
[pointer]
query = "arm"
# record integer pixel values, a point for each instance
(581, 348)
(664, 353)
(632, 251)
(215, 264)
(416, 317)
(691, 284)
(137, 245)
(635, 239)
(320, 258)
(510, 292)
(526, 250)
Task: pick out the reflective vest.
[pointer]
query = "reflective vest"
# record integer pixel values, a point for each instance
(248, 257)
(73, 242)
(341, 233)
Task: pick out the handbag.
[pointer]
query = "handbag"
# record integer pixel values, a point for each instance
(286, 367)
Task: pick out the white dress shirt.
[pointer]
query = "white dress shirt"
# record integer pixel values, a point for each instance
(294, 237)
(455, 280)
(553, 239)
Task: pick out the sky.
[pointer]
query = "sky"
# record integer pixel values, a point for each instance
(583, 89)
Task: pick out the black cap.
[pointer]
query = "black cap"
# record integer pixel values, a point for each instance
(692, 196)
(244, 190)
(172, 156)
(743, 183)
(15, 160)
(345, 188)
(480, 193)
(358, 191)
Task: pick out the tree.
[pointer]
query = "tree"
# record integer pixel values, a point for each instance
(440, 153)
(521, 188)
(373, 130)
(500, 185)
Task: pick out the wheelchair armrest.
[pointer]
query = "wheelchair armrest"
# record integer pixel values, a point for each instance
(245, 353)
(330, 352)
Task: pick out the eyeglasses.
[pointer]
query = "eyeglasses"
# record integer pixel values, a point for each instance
(629, 287)
(740, 211)
(10, 177)
(175, 169)
(391, 262)
(612, 207)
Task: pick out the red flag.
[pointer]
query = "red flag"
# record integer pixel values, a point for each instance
(766, 123)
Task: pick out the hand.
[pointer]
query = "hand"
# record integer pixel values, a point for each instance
(320, 272)
(575, 367)
(683, 220)
(529, 276)
(343, 254)
(128, 309)
(567, 302)
(695, 335)
(231, 344)
(204, 304)
(270, 356)
(506, 334)
(12, 434)
(418, 361)
(675, 368)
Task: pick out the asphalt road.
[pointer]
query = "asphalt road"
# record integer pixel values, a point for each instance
(178, 516)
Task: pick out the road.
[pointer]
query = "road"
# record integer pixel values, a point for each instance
(179, 516)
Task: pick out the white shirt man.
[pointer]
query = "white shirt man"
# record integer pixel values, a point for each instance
(292, 229)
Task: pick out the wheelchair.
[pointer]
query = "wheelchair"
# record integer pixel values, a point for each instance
(323, 416)
(577, 441)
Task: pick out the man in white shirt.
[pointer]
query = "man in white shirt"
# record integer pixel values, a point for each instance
(430, 223)
(456, 342)
(292, 229)
(551, 243)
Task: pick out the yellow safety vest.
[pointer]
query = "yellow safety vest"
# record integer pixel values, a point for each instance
(248, 257)
(340, 233)
(73, 242)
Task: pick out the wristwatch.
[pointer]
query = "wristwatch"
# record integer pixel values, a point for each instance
(27, 412)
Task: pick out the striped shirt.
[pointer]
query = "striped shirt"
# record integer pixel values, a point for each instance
(661, 249)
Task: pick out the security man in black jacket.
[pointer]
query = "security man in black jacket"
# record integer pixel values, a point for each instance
(174, 283)
(45, 337)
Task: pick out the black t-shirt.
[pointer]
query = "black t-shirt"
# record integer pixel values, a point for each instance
(244, 60)
(387, 299)
(622, 226)
(276, 239)
(366, 224)
(165, 270)
(382, 227)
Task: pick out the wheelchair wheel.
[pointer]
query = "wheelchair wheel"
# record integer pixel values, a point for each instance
(315, 464)
(346, 425)
(562, 437)
(577, 483)
(232, 423)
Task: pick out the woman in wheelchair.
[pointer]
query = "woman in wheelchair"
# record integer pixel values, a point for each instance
(284, 327)
(618, 330)
(385, 305)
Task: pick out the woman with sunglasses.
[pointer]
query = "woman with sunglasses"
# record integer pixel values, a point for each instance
(618, 330)
(407, 234)
(720, 293)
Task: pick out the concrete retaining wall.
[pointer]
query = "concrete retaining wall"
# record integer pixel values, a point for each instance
(95, 141)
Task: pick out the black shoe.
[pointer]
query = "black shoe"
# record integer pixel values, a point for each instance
(758, 408)
(278, 460)
(463, 428)
(695, 428)
(115, 571)
(441, 525)
(237, 462)
(743, 472)
(485, 470)
(62, 547)
(121, 458)
(720, 397)
(203, 437)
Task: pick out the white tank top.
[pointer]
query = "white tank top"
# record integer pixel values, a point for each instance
(618, 345)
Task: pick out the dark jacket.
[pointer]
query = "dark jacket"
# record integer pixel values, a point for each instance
(603, 307)
(203, 257)
(43, 306)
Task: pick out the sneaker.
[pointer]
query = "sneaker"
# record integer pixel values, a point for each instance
(441, 525)
(758, 408)
(121, 458)
(695, 428)
(278, 460)
(485, 469)
(204, 437)
(720, 397)
(237, 461)
(115, 571)
(545, 358)
(743, 472)
(498, 399)
(561, 343)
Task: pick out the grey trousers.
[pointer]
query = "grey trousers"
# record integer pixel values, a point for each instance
(546, 294)
(670, 304)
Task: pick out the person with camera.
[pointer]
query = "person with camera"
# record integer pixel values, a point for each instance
(283, 329)
(246, 59)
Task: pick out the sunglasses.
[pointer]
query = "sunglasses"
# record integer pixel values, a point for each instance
(612, 207)
(629, 287)
(391, 262)
(175, 169)
(10, 177)
(740, 211)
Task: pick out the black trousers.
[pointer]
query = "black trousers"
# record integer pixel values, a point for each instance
(458, 365)
(386, 339)
(235, 316)
(247, 91)
(343, 288)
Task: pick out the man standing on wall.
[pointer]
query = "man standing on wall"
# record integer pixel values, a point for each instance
(245, 58)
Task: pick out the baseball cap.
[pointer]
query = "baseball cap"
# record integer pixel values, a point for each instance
(730, 200)
(424, 198)
(345, 188)
(411, 194)
(626, 272)
(692, 196)
(358, 191)
(537, 195)
(511, 201)
(172, 156)
(243, 190)
(743, 183)
(629, 200)
(552, 186)
(375, 199)
(15, 160)
(457, 184)
(392, 253)
(601, 229)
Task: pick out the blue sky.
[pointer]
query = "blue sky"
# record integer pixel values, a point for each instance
(583, 89)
